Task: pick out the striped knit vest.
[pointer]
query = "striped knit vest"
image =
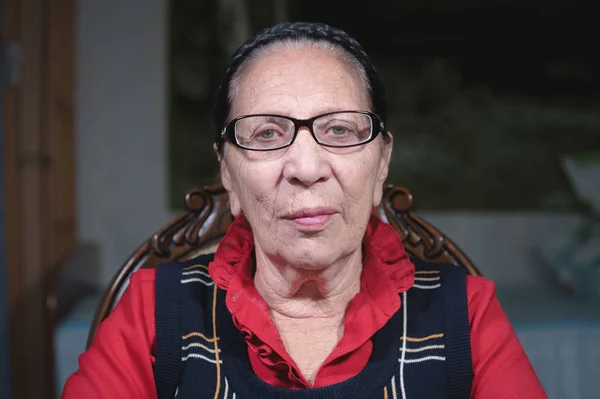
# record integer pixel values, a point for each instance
(422, 352)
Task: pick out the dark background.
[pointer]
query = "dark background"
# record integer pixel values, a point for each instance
(485, 100)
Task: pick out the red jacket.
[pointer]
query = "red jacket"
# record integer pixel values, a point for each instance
(119, 362)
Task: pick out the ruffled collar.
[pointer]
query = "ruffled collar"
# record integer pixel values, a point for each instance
(386, 263)
(387, 271)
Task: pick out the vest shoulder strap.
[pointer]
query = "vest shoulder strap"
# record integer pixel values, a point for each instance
(167, 371)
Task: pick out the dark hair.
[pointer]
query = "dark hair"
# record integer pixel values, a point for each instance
(296, 32)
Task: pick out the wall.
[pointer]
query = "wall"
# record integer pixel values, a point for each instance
(120, 125)
(121, 122)
(505, 246)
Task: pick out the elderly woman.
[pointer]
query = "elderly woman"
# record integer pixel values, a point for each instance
(309, 295)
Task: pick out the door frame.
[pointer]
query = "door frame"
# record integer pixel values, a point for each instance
(4, 359)
(39, 180)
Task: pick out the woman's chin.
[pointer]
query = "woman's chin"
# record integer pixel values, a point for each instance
(310, 258)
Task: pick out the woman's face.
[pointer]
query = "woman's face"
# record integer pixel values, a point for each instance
(307, 205)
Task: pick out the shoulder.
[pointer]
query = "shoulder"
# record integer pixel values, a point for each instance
(497, 354)
(478, 290)
(482, 300)
(142, 277)
(140, 288)
(143, 282)
(476, 286)
(449, 274)
(182, 265)
(174, 270)
(424, 266)
(184, 284)
(145, 277)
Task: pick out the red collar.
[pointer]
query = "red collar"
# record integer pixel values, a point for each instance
(387, 268)
(387, 271)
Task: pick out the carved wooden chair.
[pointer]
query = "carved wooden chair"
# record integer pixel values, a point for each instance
(200, 228)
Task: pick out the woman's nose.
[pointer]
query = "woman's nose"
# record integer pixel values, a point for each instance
(306, 161)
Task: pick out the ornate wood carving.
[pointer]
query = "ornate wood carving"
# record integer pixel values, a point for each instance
(420, 238)
(203, 223)
(38, 172)
(207, 218)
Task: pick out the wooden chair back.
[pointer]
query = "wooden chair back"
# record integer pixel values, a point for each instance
(201, 226)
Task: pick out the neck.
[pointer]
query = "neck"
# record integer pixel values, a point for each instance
(298, 292)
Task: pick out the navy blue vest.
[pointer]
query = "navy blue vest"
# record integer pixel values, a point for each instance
(422, 352)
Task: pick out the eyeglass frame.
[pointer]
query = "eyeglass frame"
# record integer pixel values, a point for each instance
(228, 132)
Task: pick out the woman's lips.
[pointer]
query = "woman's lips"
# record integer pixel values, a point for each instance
(311, 217)
(313, 221)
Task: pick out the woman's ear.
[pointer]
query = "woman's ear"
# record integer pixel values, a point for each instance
(218, 152)
(384, 167)
(234, 203)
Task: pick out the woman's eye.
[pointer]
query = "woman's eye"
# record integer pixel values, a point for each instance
(339, 130)
(267, 134)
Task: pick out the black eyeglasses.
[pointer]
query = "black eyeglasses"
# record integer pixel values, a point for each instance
(266, 132)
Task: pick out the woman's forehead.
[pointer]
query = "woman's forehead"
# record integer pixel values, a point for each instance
(298, 80)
